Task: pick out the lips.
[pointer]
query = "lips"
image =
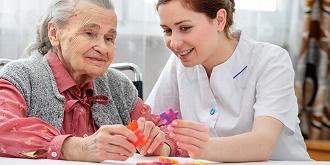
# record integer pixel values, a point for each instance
(186, 52)
(97, 60)
(185, 55)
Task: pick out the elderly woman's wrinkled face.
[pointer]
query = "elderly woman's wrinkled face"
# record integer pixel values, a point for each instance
(87, 41)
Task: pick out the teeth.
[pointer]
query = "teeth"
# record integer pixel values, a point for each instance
(185, 52)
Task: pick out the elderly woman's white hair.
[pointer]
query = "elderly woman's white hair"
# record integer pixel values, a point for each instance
(59, 11)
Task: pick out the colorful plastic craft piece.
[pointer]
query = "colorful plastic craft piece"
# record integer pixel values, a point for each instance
(133, 126)
(145, 163)
(168, 160)
(168, 116)
(155, 163)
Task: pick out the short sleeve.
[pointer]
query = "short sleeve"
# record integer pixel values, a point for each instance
(275, 96)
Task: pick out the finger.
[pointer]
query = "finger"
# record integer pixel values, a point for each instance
(148, 127)
(119, 130)
(119, 140)
(150, 139)
(141, 121)
(203, 136)
(119, 150)
(102, 152)
(189, 147)
(144, 148)
(190, 124)
(115, 156)
(189, 140)
(158, 140)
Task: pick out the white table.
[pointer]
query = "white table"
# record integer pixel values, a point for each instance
(138, 158)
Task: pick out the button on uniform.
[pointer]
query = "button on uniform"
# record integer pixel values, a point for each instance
(85, 135)
(212, 111)
(54, 154)
(213, 117)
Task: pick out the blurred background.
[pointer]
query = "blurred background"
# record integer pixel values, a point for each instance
(140, 38)
(300, 26)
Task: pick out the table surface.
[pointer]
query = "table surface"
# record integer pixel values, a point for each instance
(137, 158)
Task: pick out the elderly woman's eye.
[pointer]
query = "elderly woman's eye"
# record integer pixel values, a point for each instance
(110, 38)
(90, 34)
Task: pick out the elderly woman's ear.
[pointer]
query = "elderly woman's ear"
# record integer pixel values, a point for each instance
(53, 34)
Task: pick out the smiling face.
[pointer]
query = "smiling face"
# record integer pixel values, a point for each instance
(85, 45)
(190, 35)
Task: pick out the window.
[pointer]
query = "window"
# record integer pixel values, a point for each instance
(257, 5)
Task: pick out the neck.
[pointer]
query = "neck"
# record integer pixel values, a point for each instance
(224, 50)
(81, 80)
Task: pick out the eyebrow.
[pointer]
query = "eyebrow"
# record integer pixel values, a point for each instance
(98, 27)
(113, 31)
(93, 26)
(177, 23)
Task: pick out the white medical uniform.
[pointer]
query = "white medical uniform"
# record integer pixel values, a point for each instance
(257, 80)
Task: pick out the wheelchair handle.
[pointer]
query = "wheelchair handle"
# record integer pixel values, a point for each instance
(129, 66)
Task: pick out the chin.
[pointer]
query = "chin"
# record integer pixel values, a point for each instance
(188, 65)
(96, 73)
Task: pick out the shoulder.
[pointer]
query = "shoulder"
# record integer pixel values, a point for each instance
(119, 86)
(260, 50)
(262, 59)
(261, 54)
(23, 66)
(117, 82)
(270, 55)
(24, 63)
(117, 77)
(26, 74)
(269, 51)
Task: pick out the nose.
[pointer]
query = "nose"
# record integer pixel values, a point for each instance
(102, 47)
(175, 42)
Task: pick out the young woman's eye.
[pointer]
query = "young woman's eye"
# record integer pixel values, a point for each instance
(167, 31)
(185, 28)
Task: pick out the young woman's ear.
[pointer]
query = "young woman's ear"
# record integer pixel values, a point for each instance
(221, 19)
(53, 34)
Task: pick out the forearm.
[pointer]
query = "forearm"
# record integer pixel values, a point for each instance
(22, 136)
(239, 148)
(30, 138)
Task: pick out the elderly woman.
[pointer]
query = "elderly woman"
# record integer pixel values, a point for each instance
(64, 103)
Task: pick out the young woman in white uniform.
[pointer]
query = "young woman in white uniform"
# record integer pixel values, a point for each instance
(235, 96)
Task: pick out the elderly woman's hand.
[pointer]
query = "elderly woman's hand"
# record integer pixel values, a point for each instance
(110, 142)
(155, 139)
